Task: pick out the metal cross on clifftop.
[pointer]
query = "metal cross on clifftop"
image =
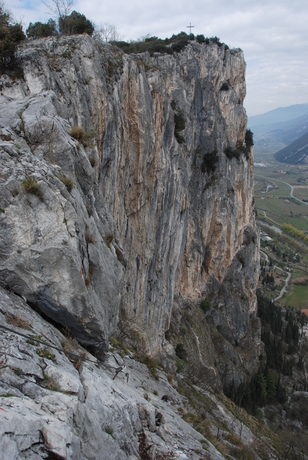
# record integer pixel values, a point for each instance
(190, 27)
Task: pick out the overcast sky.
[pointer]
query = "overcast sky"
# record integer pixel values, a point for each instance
(272, 33)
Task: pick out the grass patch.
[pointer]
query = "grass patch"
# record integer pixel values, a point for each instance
(298, 297)
(118, 345)
(81, 136)
(68, 182)
(152, 365)
(205, 305)
(17, 321)
(45, 353)
(109, 431)
(30, 185)
(33, 340)
(301, 193)
(50, 383)
(17, 371)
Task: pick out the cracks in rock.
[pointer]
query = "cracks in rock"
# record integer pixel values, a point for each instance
(39, 443)
(30, 337)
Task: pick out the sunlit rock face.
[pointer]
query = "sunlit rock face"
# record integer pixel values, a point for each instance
(144, 204)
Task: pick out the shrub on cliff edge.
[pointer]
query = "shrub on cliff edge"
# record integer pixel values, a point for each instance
(39, 29)
(10, 36)
(75, 23)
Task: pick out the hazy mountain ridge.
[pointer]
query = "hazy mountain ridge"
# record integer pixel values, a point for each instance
(278, 128)
(295, 153)
(279, 115)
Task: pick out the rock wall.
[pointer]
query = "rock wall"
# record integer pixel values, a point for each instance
(147, 207)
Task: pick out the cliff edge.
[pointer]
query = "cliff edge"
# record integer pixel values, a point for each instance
(127, 187)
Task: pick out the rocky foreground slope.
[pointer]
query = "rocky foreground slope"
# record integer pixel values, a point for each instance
(58, 401)
(126, 190)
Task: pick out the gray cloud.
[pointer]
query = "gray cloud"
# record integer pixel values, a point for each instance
(272, 34)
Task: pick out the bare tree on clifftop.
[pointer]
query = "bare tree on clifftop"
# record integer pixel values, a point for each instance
(59, 8)
(107, 32)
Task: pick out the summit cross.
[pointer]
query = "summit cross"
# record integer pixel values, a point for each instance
(190, 27)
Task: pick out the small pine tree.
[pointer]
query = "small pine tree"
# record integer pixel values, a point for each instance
(261, 393)
(270, 386)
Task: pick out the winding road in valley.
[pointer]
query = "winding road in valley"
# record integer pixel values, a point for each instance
(292, 190)
(286, 283)
(270, 180)
(284, 182)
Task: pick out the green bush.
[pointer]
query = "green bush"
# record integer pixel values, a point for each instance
(216, 40)
(109, 430)
(39, 29)
(179, 121)
(10, 36)
(175, 44)
(75, 23)
(200, 38)
(77, 133)
(232, 153)
(178, 46)
(210, 161)
(249, 138)
(205, 305)
(239, 150)
(156, 45)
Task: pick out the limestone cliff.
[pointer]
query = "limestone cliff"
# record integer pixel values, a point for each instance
(59, 402)
(148, 206)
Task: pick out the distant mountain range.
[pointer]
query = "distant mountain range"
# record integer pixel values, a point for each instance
(295, 153)
(282, 131)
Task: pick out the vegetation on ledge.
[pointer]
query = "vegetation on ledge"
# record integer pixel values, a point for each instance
(175, 44)
(241, 148)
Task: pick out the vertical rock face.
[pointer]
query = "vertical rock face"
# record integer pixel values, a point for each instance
(157, 210)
